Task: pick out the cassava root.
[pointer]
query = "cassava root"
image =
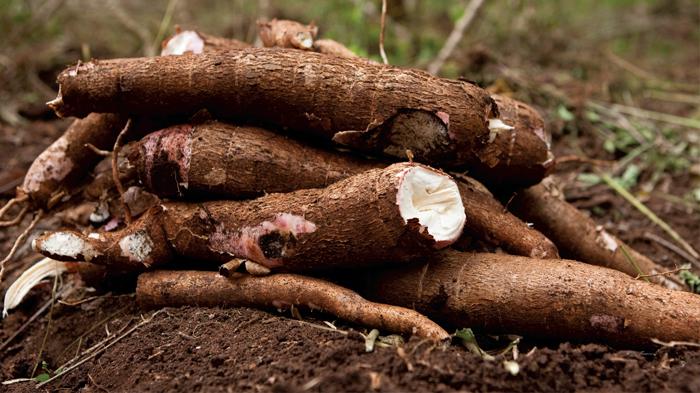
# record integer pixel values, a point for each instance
(63, 164)
(399, 213)
(578, 237)
(220, 160)
(281, 291)
(370, 107)
(544, 298)
(489, 221)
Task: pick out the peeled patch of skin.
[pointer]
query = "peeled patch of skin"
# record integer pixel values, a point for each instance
(173, 145)
(425, 134)
(434, 200)
(605, 239)
(183, 42)
(266, 243)
(496, 126)
(137, 247)
(53, 164)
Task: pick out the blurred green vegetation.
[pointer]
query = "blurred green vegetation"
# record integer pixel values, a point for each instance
(66, 30)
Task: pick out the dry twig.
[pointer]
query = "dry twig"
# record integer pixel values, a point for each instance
(455, 36)
(20, 240)
(115, 171)
(15, 220)
(612, 183)
(65, 371)
(381, 33)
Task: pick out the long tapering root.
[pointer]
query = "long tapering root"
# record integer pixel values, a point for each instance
(578, 237)
(545, 298)
(178, 288)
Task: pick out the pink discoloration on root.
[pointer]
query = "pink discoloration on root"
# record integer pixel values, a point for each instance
(176, 144)
(445, 117)
(265, 243)
(52, 164)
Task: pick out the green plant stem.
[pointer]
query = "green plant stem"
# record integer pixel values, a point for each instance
(612, 183)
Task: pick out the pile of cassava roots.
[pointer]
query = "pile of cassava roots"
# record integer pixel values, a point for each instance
(297, 174)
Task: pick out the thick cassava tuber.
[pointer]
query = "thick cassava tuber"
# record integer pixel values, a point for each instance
(518, 141)
(220, 160)
(578, 237)
(544, 298)
(63, 164)
(281, 291)
(370, 107)
(397, 214)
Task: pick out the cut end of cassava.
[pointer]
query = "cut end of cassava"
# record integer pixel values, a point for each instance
(64, 246)
(433, 198)
(183, 42)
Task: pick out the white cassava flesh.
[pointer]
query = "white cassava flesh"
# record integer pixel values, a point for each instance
(496, 126)
(45, 268)
(65, 244)
(433, 198)
(183, 42)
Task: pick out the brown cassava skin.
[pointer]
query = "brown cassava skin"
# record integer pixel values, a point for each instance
(372, 107)
(199, 288)
(525, 147)
(577, 236)
(63, 164)
(282, 33)
(220, 160)
(544, 298)
(353, 223)
(488, 220)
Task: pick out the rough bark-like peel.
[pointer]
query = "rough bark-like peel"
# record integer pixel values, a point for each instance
(545, 298)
